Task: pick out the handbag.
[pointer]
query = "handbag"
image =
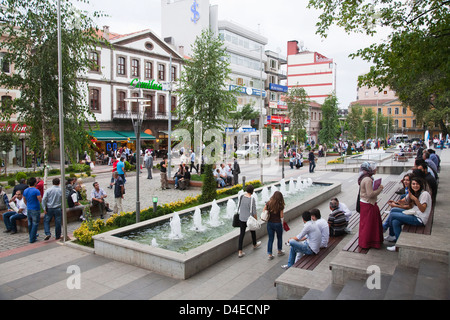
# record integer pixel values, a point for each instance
(236, 223)
(285, 226)
(253, 224)
(265, 215)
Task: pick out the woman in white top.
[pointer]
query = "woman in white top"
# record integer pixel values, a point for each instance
(418, 215)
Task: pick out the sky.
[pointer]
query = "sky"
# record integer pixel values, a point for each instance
(279, 21)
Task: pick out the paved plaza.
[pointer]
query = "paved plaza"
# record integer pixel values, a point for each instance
(46, 270)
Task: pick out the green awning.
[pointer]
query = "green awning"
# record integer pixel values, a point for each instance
(132, 136)
(107, 135)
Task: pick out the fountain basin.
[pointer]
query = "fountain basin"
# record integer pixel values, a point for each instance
(183, 265)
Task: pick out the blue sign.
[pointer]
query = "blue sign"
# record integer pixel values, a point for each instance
(277, 87)
(247, 90)
(196, 14)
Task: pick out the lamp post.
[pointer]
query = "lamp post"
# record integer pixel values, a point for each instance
(341, 122)
(137, 124)
(365, 132)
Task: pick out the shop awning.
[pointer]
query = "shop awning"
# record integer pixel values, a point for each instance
(107, 135)
(132, 136)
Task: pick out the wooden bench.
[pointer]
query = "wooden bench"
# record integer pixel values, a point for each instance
(402, 159)
(426, 229)
(309, 262)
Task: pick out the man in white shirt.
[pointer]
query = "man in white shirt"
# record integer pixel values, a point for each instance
(307, 242)
(19, 212)
(323, 226)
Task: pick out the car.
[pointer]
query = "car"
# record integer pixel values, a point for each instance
(247, 150)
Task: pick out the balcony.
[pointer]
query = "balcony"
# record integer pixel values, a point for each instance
(148, 115)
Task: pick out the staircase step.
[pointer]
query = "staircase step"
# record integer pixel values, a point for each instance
(432, 281)
(378, 291)
(312, 294)
(402, 284)
(351, 290)
(330, 293)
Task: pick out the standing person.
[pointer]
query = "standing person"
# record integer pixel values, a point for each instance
(148, 162)
(51, 202)
(312, 161)
(32, 198)
(10, 217)
(121, 169)
(114, 169)
(4, 202)
(192, 158)
(275, 207)
(163, 168)
(40, 185)
(370, 227)
(307, 242)
(247, 208)
(119, 191)
(236, 171)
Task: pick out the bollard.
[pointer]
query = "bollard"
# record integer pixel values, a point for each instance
(243, 183)
(155, 204)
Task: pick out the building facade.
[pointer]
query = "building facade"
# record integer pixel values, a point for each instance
(141, 60)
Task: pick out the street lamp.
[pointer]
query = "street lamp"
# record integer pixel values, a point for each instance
(341, 122)
(137, 124)
(365, 132)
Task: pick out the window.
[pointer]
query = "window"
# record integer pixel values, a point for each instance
(405, 110)
(135, 68)
(121, 104)
(135, 105)
(161, 72)
(6, 103)
(95, 59)
(414, 123)
(396, 123)
(121, 70)
(404, 123)
(174, 73)
(396, 110)
(389, 110)
(173, 104)
(94, 97)
(148, 70)
(379, 110)
(149, 106)
(161, 104)
(4, 64)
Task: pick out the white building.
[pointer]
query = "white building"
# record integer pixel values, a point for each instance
(137, 57)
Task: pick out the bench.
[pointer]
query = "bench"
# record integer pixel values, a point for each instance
(309, 262)
(353, 244)
(426, 229)
(73, 214)
(401, 159)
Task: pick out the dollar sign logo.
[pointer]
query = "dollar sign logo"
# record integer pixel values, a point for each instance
(195, 12)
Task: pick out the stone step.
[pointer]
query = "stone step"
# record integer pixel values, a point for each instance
(402, 284)
(432, 281)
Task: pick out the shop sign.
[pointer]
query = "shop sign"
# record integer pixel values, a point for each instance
(146, 85)
(13, 127)
(247, 90)
(277, 87)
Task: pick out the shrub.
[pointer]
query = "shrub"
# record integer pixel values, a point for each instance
(11, 182)
(21, 175)
(209, 187)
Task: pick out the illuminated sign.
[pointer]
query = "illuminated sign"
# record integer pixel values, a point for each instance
(194, 11)
(146, 85)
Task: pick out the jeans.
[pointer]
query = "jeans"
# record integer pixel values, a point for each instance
(57, 213)
(312, 166)
(243, 226)
(272, 228)
(34, 216)
(398, 219)
(301, 247)
(10, 218)
(388, 223)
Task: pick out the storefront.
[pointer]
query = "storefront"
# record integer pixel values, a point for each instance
(18, 152)
(106, 140)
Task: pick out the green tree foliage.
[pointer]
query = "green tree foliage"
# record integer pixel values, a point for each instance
(413, 61)
(297, 101)
(203, 95)
(247, 113)
(330, 121)
(209, 187)
(30, 29)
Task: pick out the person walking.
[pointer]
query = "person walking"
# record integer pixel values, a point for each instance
(33, 199)
(275, 207)
(51, 202)
(119, 191)
(163, 169)
(370, 226)
(121, 169)
(247, 208)
(312, 161)
(192, 158)
(236, 171)
(148, 162)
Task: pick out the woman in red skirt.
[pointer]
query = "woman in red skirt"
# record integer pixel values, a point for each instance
(370, 226)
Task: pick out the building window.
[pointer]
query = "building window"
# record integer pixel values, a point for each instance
(4, 64)
(121, 67)
(396, 123)
(174, 73)
(405, 110)
(161, 104)
(404, 123)
(148, 70)
(389, 110)
(396, 110)
(149, 105)
(379, 110)
(95, 59)
(414, 123)
(94, 97)
(6, 103)
(173, 104)
(121, 104)
(135, 68)
(161, 72)
(135, 105)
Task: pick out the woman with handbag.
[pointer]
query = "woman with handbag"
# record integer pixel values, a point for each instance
(247, 208)
(275, 208)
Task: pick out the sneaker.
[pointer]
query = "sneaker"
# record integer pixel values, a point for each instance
(257, 245)
(390, 238)
(270, 257)
(281, 253)
(392, 249)
(285, 267)
(241, 254)
(47, 237)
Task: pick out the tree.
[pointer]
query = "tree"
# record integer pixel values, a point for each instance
(355, 123)
(298, 106)
(31, 46)
(247, 113)
(330, 121)
(7, 140)
(413, 61)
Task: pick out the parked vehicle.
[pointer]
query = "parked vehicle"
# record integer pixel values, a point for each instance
(400, 138)
(247, 150)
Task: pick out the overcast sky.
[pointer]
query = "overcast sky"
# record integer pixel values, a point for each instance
(279, 21)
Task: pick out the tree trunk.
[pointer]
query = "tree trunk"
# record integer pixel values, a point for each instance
(44, 141)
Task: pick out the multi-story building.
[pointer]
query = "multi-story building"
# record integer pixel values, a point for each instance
(140, 57)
